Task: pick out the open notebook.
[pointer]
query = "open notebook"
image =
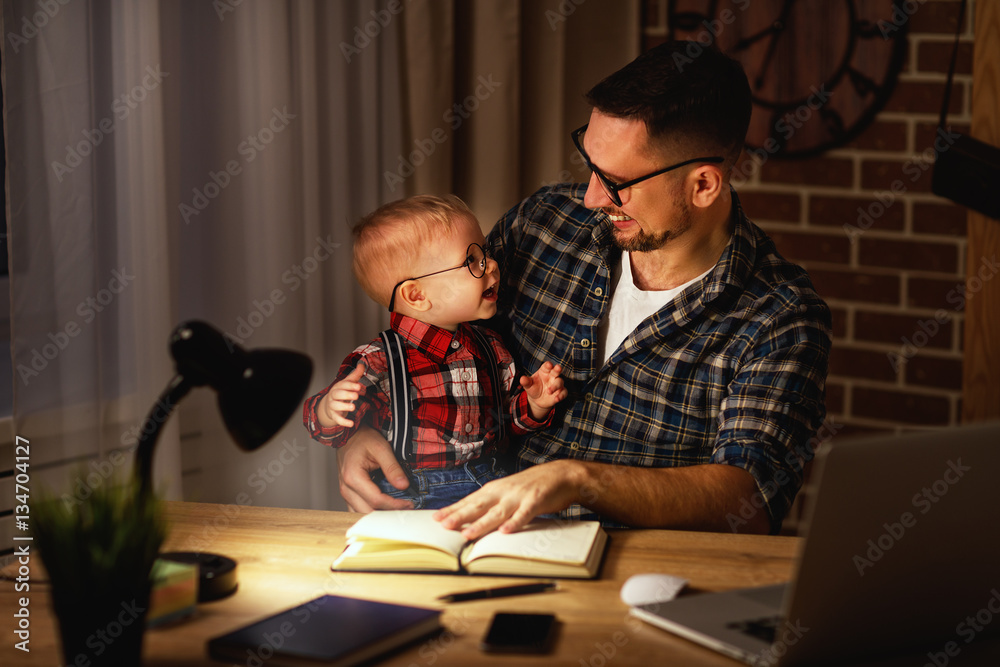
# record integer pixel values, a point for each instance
(412, 541)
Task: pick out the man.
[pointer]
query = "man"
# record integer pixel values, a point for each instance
(695, 356)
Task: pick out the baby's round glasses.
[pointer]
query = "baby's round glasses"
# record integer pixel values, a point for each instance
(475, 261)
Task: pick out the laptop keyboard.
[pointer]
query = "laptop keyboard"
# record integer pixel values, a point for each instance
(761, 628)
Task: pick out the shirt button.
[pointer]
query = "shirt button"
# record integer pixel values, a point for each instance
(585, 343)
(589, 397)
(466, 376)
(575, 445)
(454, 344)
(599, 292)
(468, 428)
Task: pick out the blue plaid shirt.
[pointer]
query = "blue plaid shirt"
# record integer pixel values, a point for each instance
(731, 371)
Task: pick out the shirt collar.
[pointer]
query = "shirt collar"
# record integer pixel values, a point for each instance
(734, 266)
(737, 261)
(433, 341)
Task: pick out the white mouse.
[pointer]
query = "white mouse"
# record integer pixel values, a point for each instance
(651, 588)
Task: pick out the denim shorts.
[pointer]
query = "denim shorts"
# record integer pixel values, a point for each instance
(434, 488)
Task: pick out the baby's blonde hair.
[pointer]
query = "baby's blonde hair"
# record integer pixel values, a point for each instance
(388, 241)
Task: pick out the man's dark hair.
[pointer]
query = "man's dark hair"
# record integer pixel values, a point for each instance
(685, 90)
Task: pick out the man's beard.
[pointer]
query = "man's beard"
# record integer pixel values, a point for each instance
(642, 241)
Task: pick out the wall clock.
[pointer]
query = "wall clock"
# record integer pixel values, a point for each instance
(819, 70)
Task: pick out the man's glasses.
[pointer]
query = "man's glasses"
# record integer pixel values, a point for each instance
(613, 189)
(475, 261)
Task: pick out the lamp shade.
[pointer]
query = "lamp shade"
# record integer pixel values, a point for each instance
(258, 391)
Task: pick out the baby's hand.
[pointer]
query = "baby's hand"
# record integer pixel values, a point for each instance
(544, 389)
(340, 399)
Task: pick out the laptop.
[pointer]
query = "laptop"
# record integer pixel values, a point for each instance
(902, 547)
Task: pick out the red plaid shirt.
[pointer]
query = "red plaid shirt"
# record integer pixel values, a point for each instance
(451, 394)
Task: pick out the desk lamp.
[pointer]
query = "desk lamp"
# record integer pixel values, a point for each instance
(257, 393)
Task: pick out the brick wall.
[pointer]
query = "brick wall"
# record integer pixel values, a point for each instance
(895, 289)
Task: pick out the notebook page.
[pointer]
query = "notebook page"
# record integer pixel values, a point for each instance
(413, 526)
(560, 541)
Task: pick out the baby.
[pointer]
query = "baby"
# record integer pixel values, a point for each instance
(437, 388)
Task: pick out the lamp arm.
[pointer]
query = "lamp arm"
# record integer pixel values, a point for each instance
(177, 389)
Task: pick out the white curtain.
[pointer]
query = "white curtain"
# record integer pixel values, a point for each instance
(88, 235)
(177, 160)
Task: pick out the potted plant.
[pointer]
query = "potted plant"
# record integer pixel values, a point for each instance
(99, 554)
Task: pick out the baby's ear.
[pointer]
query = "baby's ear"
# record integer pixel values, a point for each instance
(413, 296)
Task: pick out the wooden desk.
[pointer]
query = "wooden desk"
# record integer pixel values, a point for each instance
(284, 559)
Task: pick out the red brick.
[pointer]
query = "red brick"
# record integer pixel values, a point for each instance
(815, 247)
(925, 97)
(916, 255)
(882, 135)
(947, 218)
(839, 211)
(857, 286)
(927, 133)
(934, 372)
(894, 178)
(771, 206)
(936, 57)
(889, 405)
(936, 293)
(839, 321)
(892, 329)
(836, 172)
(858, 363)
(926, 330)
(935, 17)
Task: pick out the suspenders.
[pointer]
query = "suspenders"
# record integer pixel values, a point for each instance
(399, 378)
(491, 359)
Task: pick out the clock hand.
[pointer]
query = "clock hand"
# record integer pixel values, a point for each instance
(746, 42)
(776, 29)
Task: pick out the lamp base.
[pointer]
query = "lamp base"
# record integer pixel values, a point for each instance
(216, 574)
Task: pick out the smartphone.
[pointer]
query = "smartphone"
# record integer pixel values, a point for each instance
(520, 633)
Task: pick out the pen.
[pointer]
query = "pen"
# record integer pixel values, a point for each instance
(502, 592)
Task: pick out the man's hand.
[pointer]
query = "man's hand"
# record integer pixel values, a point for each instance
(698, 497)
(367, 450)
(339, 401)
(544, 389)
(509, 503)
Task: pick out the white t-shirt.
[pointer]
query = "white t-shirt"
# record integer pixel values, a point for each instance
(631, 305)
